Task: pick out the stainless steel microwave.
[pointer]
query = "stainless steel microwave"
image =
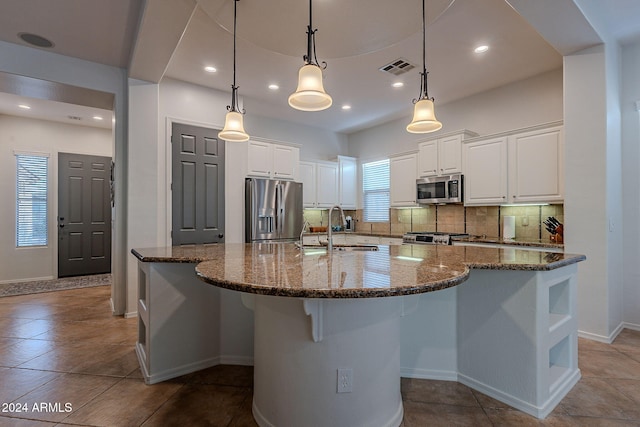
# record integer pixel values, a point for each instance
(440, 189)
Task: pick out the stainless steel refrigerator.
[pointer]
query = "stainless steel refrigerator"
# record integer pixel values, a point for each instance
(273, 210)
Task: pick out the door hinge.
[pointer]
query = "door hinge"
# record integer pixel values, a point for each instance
(171, 234)
(171, 186)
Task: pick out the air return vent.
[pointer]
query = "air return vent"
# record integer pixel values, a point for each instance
(397, 67)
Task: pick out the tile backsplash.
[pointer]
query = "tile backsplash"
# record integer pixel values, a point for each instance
(476, 220)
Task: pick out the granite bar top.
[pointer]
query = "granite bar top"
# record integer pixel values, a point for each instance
(282, 269)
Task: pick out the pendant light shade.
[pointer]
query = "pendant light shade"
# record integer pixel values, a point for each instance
(424, 115)
(233, 130)
(424, 118)
(310, 94)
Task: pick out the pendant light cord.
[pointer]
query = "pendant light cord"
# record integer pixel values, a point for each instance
(424, 93)
(311, 56)
(234, 88)
(235, 25)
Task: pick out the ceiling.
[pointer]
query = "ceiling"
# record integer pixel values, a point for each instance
(157, 39)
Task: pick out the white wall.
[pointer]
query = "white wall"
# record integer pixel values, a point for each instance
(585, 184)
(37, 63)
(630, 96)
(37, 136)
(525, 103)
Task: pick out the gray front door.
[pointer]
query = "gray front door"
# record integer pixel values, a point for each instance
(84, 215)
(198, 185)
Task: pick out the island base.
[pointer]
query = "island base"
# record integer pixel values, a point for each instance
(327, 362)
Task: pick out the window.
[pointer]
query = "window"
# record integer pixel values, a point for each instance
(375, 188)
(31, 200)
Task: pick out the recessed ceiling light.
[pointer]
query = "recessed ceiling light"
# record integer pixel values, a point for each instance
(97, 118)
(481, 49)
(24, 106)
(397, 84)
(346, 107)
(210, 69)
(274, 86)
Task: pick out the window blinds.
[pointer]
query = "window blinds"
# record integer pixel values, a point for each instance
(375, 183)
(31, 200)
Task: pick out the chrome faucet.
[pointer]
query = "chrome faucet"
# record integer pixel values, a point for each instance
(330, 228)
(304, 226)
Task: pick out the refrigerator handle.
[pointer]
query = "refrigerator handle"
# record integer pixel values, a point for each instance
(279, 204)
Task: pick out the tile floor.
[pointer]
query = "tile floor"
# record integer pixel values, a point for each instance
(64, 347)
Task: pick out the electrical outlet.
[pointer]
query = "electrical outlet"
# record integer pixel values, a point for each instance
(345, 380)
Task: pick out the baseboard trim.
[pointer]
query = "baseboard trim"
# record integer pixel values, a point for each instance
(607, 339)
(178, 371)
(429, 374)
(130, 314)
(632, 326)
(539, 412)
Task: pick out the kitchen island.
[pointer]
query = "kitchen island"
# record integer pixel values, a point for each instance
(330, 329)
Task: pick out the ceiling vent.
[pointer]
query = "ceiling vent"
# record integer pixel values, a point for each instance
(397, 67)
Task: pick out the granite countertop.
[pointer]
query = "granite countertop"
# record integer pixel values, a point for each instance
(284, 270)
(537, 243)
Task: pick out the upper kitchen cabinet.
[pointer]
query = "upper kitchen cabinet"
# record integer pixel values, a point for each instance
(442, 156)
(537, 157)
(485, 171)
(522, 166)
(347, 182)
(308, 179)
(275, 161)
(402, 176)
(326, 184)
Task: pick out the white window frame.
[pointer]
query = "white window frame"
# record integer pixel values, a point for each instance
(376, 191)
(24, 238)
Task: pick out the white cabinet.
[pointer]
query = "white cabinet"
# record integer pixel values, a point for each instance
(524, 166)
(428, 158)
(326, 184)
(485, 167)
(442, 156)
(536, 166)
(402, 171)
(275, 161)
(347, 182)
(307, 176)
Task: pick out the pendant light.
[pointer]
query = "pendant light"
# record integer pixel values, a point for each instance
(424, 116)
(310, 94)
(233, 130)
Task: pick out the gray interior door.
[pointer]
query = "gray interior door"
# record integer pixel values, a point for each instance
(84, 215)
(198, 185)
